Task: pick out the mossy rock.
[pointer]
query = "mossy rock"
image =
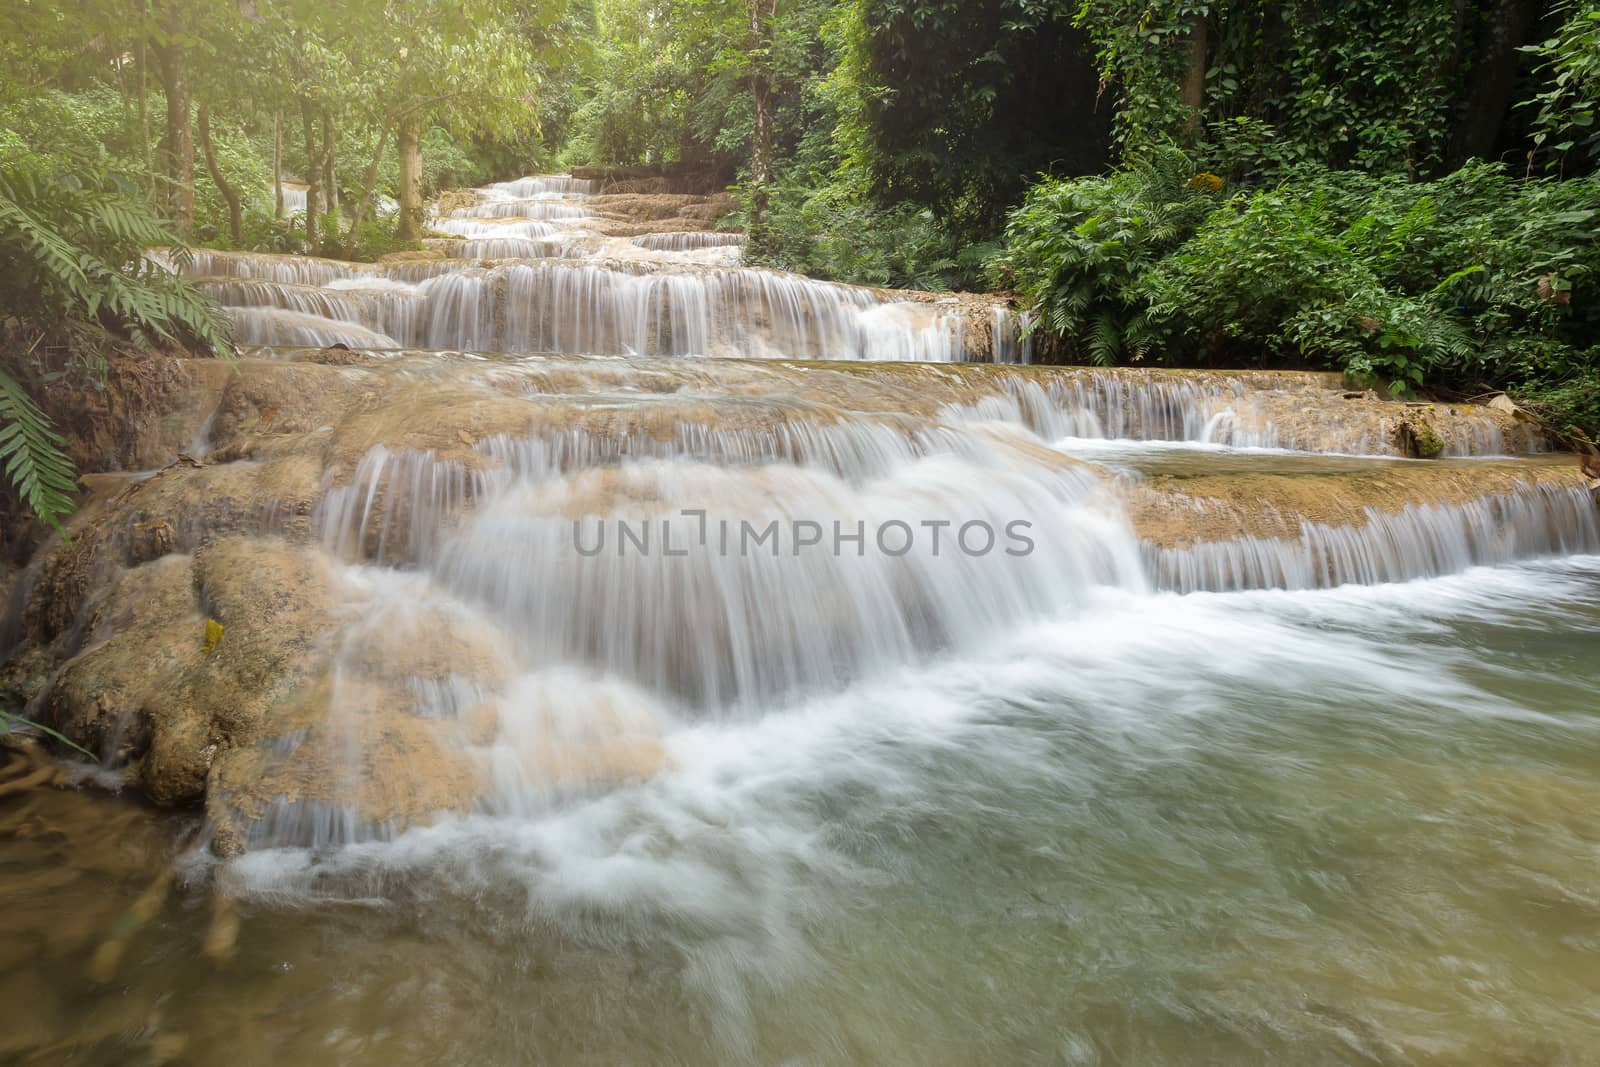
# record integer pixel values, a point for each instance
(1415, 436)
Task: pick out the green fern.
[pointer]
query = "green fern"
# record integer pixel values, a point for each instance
(32, 453)
(75, 247)
(1078, 248)
(1104, 340)
(76, 250)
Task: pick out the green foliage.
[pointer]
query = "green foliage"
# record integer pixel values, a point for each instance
(1562, 386)
(449, 162)
(1078, 250)
(31, 450)
(1390, 280)
(263, 233)
(374, 239)
(646, 75)
(951, 105)
(1315, 279)
(75, 243)
(1568, 107)
(837, 235)
(60, 126)
(1472, 280)
(1375, 85)
(1140, 49)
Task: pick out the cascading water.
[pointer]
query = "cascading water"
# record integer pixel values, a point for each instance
(523, 209)
(702, 551)
(686, 242)
(1011, 336)
(605, 307)
(478, 227)
(889, 709)
(294, 198)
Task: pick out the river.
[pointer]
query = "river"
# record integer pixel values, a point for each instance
(1242, 761)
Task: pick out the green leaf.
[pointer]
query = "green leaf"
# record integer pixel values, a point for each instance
(9, 721)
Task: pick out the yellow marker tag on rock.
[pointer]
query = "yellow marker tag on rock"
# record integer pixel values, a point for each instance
(213, 635)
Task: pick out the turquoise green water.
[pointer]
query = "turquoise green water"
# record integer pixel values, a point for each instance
(1350, 826)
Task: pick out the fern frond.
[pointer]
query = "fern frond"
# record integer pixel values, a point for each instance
(32, 453)
(1104, 340)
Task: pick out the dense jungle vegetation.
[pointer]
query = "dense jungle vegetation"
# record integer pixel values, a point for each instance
(1406, 191)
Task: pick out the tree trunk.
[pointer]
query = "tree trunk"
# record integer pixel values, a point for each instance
(409, 143)
(1192, 92)
(330, 183)
(277, 164)
(1504, 27)
(313, 177)
(229, 193)
(369, 182)
(177, 156)
(761, 15)
(144, 111)
(127, 99)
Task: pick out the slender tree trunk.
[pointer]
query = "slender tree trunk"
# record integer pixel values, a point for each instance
(127, 98)
(409, 143)
(330, 183)
(369, 182)
(229, 193)
(178, 148)
(144, 110)
(313, 177)
(1192, 92)
(761, 15)
(277, 164)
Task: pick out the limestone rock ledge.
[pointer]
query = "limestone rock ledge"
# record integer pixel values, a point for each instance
(203, 631)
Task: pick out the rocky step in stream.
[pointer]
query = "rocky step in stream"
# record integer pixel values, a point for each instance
(389, 587)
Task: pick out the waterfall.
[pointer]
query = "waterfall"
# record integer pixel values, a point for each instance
(642, 659)
(472, 228)
(644, 542)
(710, 569)
(687, 242)
(1011, 340)
(515, 248)
(543, 185)
(523, 209)
(277, 326)
(1422, 541)
(1236, 410)
(294, 198)
(555, 305)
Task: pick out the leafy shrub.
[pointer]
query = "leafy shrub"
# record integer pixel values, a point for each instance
(1568, 107)
(447, 163)
(1078, 250)
(837, 234)
(60, 127)
(263, 233)
(1472, 281)
(1386, 279)
(373, 238)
